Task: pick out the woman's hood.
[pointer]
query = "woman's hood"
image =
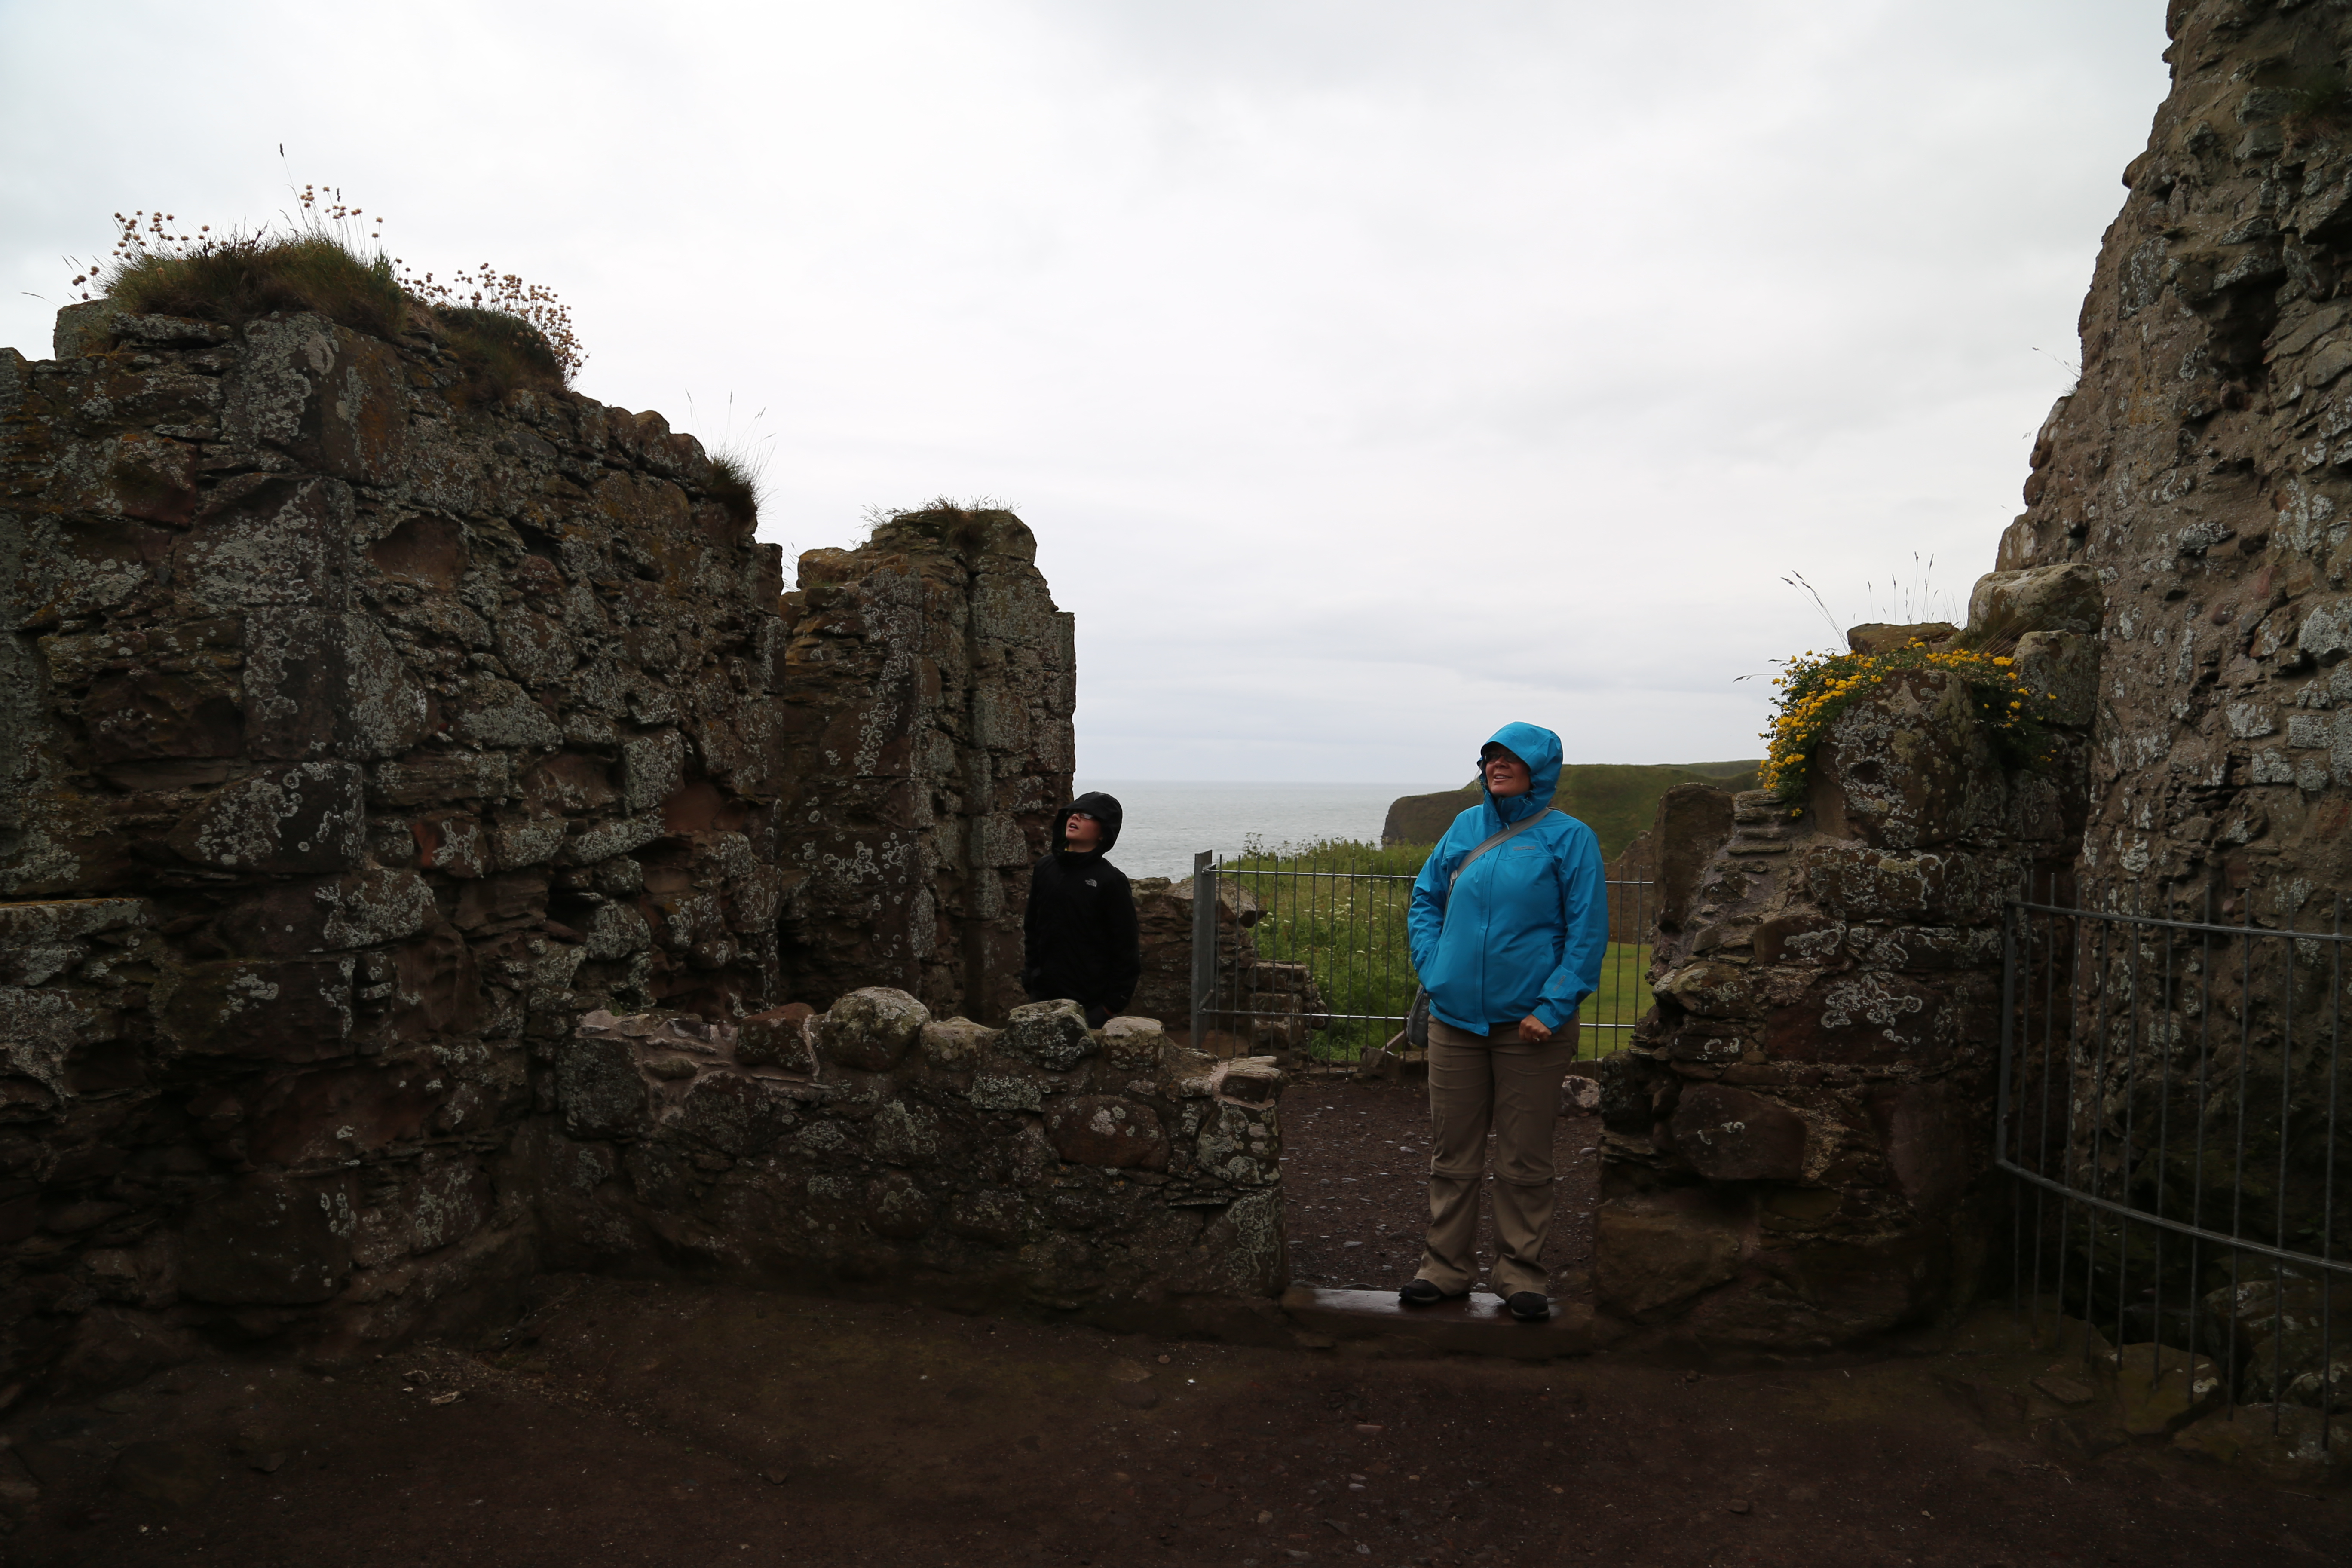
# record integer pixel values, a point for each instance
(1105, 809)
(1541, 750)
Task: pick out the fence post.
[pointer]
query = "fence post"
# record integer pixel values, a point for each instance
(1204, 946)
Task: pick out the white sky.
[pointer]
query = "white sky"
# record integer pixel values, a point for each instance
(1371, 373)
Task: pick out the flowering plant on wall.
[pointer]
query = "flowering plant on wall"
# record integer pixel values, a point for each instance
(1814, 689)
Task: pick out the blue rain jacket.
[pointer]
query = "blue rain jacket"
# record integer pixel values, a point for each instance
(1532, 920)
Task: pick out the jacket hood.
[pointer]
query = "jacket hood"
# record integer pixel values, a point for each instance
(1105, 809)
(1541, 750)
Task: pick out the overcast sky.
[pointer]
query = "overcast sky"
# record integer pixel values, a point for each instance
(1370, 372)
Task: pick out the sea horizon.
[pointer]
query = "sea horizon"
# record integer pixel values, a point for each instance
(1167, 821)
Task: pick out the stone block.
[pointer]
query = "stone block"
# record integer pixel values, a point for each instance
(270, 540)
(358, 909)
(1003, 1085)
(2063, 598)
(871, 1029)
(733, 1114)
(598, 1090)
(293, 1010)
(1106, 1129)
(1854, 882)
(322, 683)
(897, 1207)
(779, 1038)
(956, 1045)
(311, 816)
(1693, 819)
(323, 395)
(1133, 1045)
(653, 768)
(2064, 669)
(141, 715)
(268, 1240)
(1050, 1035)
(1729, 1135)
(339, 1113)
(1710, 989)
(1648, 1260)
(1879, 637)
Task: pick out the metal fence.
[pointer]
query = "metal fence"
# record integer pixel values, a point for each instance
(1308, 955)
(2168, 1104)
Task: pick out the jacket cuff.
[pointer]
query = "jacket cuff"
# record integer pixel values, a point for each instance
(1552, 1016)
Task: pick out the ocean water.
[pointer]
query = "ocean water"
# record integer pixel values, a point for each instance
(1168, 823)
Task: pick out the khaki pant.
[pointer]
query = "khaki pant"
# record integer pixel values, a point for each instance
(1477, 1081)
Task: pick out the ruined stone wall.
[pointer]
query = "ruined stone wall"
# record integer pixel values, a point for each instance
(1795, 1143)
(2202, 469)
(933, 683)
(359, 736)
(1111, 1171)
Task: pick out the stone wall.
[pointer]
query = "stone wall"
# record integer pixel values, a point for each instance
(931, 683)
(1794, 1146)
(2201, 469)
(360, 735)
(1111, 1171)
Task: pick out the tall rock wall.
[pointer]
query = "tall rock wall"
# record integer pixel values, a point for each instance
(2204, 468)
(359, 734)
(933, 683)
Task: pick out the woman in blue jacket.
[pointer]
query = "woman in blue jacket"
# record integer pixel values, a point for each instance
(1510, 920)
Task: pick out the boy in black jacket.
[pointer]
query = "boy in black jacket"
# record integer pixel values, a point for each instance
(1078, 938)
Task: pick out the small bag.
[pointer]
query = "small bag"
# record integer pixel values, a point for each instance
(1416, 1019)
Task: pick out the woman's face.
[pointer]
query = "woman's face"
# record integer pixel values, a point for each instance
(1081, 833)
(1505, 775)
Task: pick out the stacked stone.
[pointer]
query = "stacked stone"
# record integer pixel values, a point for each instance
(2201, 469)
(933, 683)
(358, 735)
(1039, 1163)
(1793, 1143)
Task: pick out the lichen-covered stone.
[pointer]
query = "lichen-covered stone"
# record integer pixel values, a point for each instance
(1133, 1045)
(871, 1028)
(1106, 1129)
(1050, 1035)
(956, 1045)
(598, 1090)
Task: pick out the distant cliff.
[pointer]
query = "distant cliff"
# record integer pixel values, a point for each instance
(1617, 801)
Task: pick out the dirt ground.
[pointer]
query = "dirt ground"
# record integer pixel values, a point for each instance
(1355, 1171)
(632, 1422)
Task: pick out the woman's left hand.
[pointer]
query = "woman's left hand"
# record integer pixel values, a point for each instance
(1533, 1030)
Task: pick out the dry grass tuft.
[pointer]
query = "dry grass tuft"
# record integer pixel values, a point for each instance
(505, 333)
(244, 277)
(501, 353)
(738, 482)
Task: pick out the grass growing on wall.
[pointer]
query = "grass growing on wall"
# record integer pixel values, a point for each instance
(1351, 935)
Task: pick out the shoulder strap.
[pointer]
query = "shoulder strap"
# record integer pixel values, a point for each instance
(1513, 831)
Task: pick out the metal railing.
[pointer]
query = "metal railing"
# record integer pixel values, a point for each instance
(1308, 955)
(2168, 1104)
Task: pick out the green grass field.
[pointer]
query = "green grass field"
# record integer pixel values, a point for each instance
(1339, 907)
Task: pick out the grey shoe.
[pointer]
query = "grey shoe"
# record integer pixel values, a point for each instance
(1529, 1306)
(1424, 1293)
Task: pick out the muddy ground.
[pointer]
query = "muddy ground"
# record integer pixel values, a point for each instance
(634, 1421)
(1355, 1170)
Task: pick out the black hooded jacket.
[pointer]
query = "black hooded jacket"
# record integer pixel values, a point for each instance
(1078, 938)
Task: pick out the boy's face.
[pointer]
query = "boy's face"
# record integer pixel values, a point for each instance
(1081, 833)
